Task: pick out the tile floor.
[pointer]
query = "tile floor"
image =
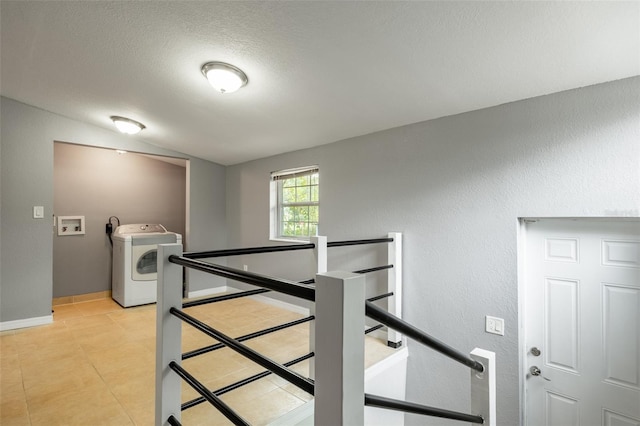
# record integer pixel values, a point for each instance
(95, 365)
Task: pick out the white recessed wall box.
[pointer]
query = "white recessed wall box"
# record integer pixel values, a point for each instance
(71, 225)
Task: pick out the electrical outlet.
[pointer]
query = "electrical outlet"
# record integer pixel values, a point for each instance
(245, 267)
(494, 325)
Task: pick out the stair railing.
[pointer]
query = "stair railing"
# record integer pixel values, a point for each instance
(340, 308)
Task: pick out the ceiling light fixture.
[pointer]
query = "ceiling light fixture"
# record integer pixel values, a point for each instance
(127, 125)
(225, 78)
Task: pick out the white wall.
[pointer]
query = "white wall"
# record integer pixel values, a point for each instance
(455, 187)
(27, 137)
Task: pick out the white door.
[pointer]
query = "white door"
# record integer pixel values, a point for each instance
(582, 316)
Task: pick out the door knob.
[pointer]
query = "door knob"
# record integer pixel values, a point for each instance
(535, 371)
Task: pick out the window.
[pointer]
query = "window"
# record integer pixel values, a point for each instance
(295, 203)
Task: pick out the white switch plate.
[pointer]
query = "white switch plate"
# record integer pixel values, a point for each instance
(494, 325)
(38, 212)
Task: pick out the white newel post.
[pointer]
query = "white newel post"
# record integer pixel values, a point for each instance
(168, 334)
(319, 267)
(339, 383)
(394, 285)
(319, 255)
(483, 386)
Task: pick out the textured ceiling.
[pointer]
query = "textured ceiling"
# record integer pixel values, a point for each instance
(319, 71)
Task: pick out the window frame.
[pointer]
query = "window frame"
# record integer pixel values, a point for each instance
(278, 204)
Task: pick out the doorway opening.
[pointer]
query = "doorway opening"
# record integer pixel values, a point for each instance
(97, 183)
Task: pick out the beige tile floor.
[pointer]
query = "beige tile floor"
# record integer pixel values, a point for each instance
(95, 365)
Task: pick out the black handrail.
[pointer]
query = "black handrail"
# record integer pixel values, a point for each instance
(384, 317)
(283, 286)
(247, 250)
(380, 296)
(231, 296)
(374, 269)
(372, 329)
(240, 383)
(291, 376)
(208, 395)
(411, 407)
(273, 249)
(173, 421)
(223, 297)
(359, 242)
(246, 337)
(361, 271)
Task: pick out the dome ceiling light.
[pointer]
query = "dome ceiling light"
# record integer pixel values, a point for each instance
(127, 125)
(225, 78)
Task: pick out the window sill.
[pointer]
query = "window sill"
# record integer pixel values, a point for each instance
(290, 240)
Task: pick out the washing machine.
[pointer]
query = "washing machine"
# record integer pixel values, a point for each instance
(135, 253)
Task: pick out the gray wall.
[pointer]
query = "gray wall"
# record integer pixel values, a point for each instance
(98, 183)
(206, 225)
(26, 176)
(456, 187)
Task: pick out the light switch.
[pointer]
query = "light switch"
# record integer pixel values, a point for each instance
(494, 325)
(38, 212)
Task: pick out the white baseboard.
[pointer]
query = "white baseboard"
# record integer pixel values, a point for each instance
(208, 291)
(27, 322)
